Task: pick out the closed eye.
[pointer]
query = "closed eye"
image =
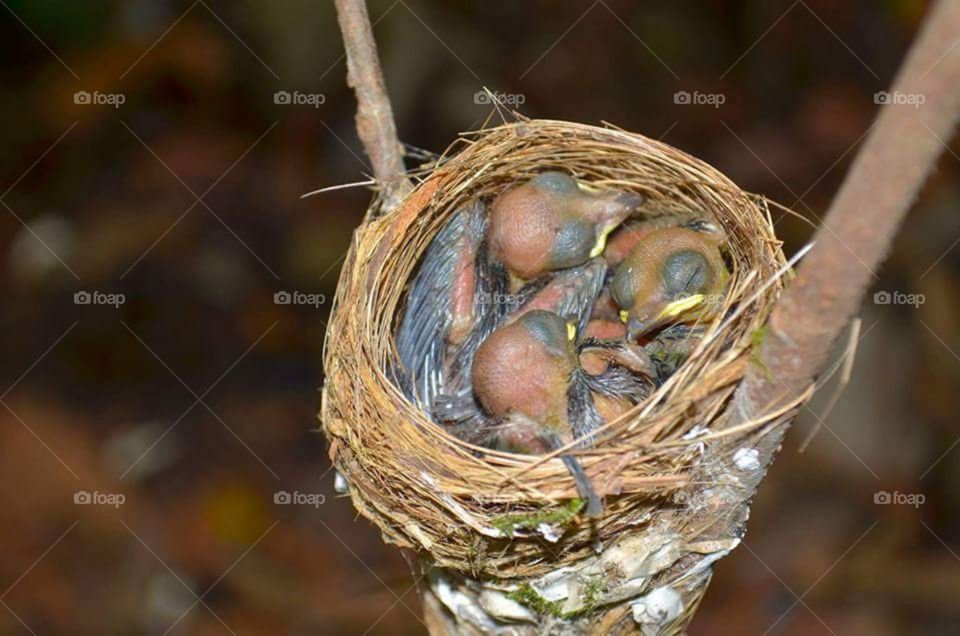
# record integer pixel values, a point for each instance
(693, 275)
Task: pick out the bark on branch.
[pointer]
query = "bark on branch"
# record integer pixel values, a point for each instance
(375, 124)
(881, 186)
(859, 227)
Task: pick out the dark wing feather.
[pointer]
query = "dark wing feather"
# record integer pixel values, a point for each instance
(578, 303)
(581, 411)
(584, 486)
(422, 336)
(570, 293)
(457, 405)
(619, 382)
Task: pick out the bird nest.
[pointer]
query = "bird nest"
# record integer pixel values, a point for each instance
(500, 515)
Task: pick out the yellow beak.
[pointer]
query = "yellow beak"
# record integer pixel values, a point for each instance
(680, 306)
(601, 243)
(639, 323)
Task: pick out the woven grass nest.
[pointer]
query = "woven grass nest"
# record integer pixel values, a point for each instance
(497, 515)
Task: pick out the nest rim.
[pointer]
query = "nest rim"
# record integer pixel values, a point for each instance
(432, 492)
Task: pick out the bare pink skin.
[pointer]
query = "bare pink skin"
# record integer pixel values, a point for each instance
(628, 355)
(550, 297)
(513, 372)
(610, 408)
(605, 308)
(464, 287)
(519, 433)
(641, 272)
(595, 361)
(605, 330)
(625, 239)
(526, 220)
(547, 299)
(622, 242)
(592, 362)
(523, 225)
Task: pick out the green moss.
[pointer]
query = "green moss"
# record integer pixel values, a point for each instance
(756, 341)
(593, 589)
(508, 524)
(591, 593)
(527, 596)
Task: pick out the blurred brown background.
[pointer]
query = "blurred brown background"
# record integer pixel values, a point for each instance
(195, 398)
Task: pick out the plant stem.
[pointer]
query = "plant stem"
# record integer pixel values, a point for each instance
(375, 123)
(880, 188)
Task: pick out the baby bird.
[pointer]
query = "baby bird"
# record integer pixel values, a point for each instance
(570, 293)
(673, 274)
(526, 376)
(552, 222)
(622, 242)
(619, 374)
(441, 307)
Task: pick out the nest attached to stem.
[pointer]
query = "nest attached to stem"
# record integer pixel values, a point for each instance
(500, 515)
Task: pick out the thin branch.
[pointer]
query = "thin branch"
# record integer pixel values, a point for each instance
(883, 182)
(375, 124)
(880, 188)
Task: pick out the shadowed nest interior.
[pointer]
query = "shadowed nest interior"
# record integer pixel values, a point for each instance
(504, 515)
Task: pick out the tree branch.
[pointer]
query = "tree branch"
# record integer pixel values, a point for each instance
(859, 227)
(375, 124)
(881, 186)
